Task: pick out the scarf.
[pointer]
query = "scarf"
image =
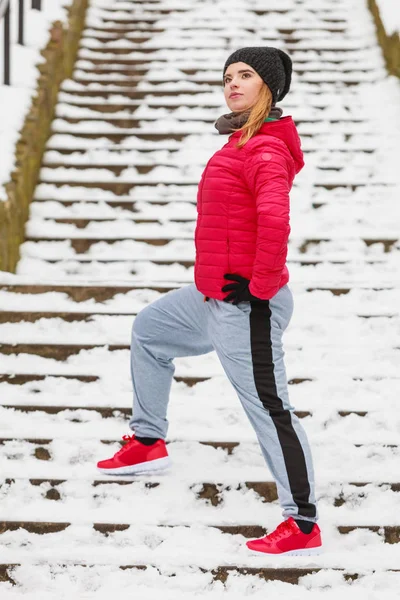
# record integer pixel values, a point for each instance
(227, 123)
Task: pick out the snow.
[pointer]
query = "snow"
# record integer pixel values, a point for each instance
(342, 350)
(389, 11)
(15, 100)
(100, 582)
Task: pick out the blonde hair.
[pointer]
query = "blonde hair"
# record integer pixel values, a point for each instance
(259, 111)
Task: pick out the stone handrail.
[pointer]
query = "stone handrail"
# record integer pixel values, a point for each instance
(59, 54)
(390, 43)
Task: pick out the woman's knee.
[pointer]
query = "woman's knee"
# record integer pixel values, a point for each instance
(141, 327)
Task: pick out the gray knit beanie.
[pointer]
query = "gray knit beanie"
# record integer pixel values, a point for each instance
(273, 66)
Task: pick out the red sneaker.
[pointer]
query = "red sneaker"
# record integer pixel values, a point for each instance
(134, 457)
(290, 540)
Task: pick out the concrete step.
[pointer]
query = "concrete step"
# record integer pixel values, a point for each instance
(22, 378)
(290, 575)
(390, 534)
(304, 45)
(82, 147)
(82, 292)
(84, 223)
(120, 188)
(117, 166)
(73, 264)
(82, 245)
(353, 78)
(100, 293)
(120, 30)
(142, 65)
(61, 353)
(126, 121)
(8, 316)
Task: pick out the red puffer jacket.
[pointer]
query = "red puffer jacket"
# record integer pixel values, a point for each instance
(243, 211)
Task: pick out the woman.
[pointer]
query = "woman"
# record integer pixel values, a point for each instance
(240, 303)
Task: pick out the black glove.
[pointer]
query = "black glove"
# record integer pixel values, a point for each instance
(239, 291)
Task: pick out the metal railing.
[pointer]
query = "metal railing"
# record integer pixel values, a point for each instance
(5, 11)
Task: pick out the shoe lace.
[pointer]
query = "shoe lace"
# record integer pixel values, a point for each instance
(280, 531)
(128, 439)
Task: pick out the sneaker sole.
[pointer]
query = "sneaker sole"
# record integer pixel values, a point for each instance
(300, 552)
(151, 466)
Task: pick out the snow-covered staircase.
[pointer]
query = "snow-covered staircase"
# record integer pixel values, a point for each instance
(111, 229)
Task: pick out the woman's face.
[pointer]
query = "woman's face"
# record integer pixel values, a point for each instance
(241, 79)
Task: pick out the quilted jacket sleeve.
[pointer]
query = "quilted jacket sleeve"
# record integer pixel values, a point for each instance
(267, 174)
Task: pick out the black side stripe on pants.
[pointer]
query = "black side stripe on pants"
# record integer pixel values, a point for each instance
(263, 369)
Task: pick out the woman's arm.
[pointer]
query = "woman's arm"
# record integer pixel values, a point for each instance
(268, 177)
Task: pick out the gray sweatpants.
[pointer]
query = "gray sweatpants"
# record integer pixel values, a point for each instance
(248, 341)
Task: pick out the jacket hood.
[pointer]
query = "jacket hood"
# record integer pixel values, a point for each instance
(285, 130)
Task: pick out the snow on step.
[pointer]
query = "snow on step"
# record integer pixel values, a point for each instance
(84, 210)
(355, 302)
(379, 229)
(207, 547)
(64, 391)
(50, 216)
(116, 330)
(176, 583)
(311, 362)
(194, 463)
(158, 495)
(99, 66)
(346, 273)
(119, 158)
(121, 229)
(79, 423)
(321, 104)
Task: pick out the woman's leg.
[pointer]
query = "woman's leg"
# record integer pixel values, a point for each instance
(175, 325)
(248, 341)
